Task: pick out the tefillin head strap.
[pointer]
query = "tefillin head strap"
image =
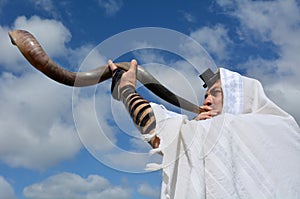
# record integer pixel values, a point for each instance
(209, 78)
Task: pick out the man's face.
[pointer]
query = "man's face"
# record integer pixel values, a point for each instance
(214, 97)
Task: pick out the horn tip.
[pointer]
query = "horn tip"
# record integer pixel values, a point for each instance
(12, 36)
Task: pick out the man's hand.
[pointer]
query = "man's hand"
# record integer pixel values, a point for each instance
(140, 109)
(209, 113)
(128, 78)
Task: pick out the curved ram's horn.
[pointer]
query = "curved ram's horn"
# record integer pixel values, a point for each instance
(33, 52)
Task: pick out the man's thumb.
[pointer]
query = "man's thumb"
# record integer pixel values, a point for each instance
(133, 65)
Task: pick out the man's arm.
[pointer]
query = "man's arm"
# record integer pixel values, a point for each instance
(138, 108)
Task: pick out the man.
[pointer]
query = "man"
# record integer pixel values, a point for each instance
(213, 102)
(242, 146)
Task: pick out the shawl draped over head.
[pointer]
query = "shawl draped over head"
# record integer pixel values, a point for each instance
(251, 150)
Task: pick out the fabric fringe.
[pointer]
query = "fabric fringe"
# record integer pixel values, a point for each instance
(153, 167)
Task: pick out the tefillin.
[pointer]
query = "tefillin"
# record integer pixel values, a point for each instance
(209, 77)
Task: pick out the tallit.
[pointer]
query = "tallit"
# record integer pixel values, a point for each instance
(251, 150)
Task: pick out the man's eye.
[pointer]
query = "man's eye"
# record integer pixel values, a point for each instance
(215, 92)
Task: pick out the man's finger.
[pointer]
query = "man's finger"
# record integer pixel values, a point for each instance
(133, 65)
(207, 108)
(111, 65)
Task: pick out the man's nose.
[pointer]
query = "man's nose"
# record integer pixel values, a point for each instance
(208, 100)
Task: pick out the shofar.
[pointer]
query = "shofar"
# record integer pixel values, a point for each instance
(34, 53)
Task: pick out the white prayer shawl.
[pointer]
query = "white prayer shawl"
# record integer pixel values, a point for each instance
(251, 150)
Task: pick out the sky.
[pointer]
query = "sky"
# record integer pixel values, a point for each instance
(58, 142)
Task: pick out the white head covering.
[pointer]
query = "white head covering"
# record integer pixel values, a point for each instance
(246, 95)
(251, 150)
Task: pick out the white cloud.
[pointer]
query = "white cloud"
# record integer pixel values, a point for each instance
(91, 122)
(138, 144)
(37, 129)
(214, 39)
(277, 22)
(95, 125)
(45, 5)
(6, 190)
(224, 2)
(188, 16)
(130, 161)
(35, 121)
(111, 7)
(149, 191)
(70, 185)
(53, 42)
(52, 34)
(271, 20)
(10, 56)
(189, 85)
(185, 78)
(36, 117)
(76, 57)
(281, 94)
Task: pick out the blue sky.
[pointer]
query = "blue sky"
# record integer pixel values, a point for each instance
(56, 142)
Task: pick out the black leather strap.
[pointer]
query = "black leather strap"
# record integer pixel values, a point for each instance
(117, 74)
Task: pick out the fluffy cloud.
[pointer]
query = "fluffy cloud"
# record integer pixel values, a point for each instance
(53, 42)
(46, 5)
(36, 124)
(6, 190)
(192, 60)
(111, 7)
(188, 17)
(69, 185)
(94, 118)
(97, 124)
(35, 121)
(94, 131)
(149, 191)
(214, 39)
(276, 22)
(9, 57)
